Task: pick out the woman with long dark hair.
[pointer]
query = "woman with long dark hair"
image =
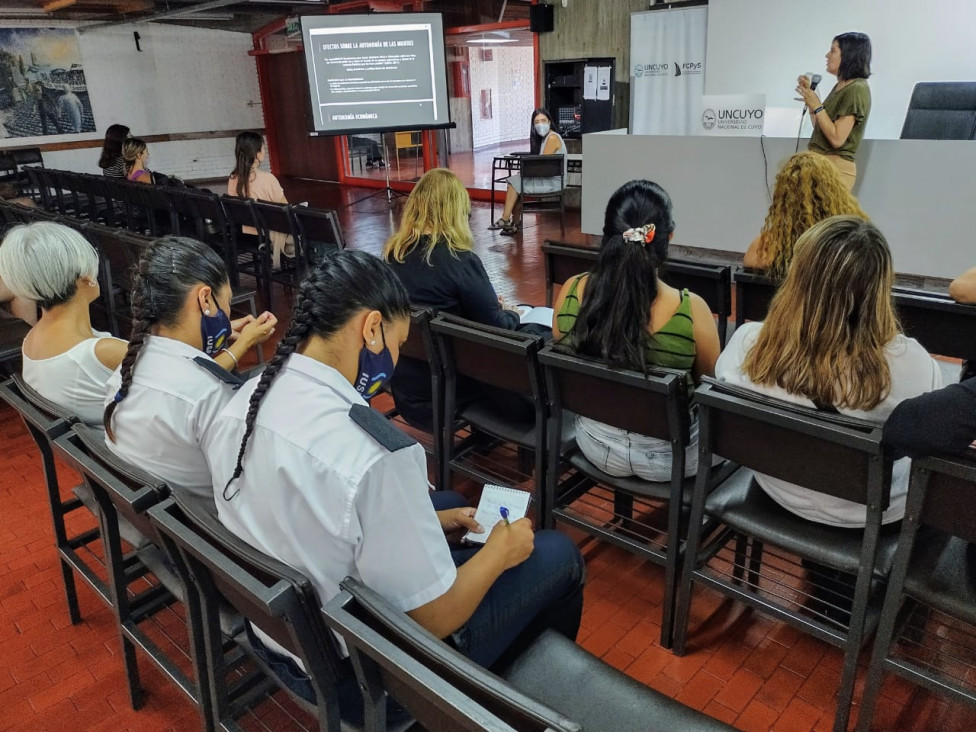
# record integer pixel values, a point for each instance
(249, 181)
(304, 470)
(172, 381)
(111, 161)
(544, 139)
(623, 313)
(833, 344)
(839, 121)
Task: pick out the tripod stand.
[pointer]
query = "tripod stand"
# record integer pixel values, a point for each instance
(391, 194)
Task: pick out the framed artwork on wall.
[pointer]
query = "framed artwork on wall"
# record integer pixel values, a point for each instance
(43, 90)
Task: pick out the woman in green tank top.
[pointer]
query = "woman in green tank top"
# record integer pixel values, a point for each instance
(624, 315)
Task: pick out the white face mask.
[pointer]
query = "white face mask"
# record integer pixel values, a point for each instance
(542, 129)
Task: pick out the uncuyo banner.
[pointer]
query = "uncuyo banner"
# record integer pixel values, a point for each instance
(667, 76)
(42, 84)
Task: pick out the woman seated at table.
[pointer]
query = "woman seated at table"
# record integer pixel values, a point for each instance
(431, 254)
(624, 314)
(808, 190)
(833, 344)
(544, 139)
(65, 360)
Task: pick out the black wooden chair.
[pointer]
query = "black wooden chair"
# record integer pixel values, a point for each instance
(45, 421)
(161, 217)
(928, 624)
(553, 685)
(753, 293)
(506, 362)
(277, 217)
(420, 348)
(12, 334)
(942, 325)
(751, 553)
(319, 233)
(616, 510)
(544, 167)
(247, 253)
(124, 494)
(227, 572)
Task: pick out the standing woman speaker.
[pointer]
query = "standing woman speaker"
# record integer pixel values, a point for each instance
(839, 121)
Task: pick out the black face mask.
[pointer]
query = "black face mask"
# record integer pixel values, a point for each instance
(375, 369)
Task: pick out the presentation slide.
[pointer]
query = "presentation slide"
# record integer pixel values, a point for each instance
(376, 72)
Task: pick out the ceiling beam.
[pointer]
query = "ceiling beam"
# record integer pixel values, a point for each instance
(53, 5)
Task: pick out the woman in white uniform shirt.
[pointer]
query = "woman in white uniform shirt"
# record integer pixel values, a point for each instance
(304, 470)
(832, 338)
(65, 359)
(161, 400)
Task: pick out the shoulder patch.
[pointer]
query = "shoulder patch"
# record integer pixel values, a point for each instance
(379, 428)
(217, 370)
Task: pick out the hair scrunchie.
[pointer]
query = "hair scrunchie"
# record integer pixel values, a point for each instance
(642, 235)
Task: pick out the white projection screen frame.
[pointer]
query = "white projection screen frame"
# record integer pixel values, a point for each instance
(376, 73)
(761, 46)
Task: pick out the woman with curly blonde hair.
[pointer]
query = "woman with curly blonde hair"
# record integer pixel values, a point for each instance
(837, 348)
(808, 190)
(431, 254)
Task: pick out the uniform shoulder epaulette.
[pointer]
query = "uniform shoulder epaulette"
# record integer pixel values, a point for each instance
(215, 369)
(379, 428)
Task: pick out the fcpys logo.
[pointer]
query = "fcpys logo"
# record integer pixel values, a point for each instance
(708, 119)
(688, 67)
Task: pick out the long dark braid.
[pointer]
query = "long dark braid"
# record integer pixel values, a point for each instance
(340, 286)
(142, 320)
(167, 271)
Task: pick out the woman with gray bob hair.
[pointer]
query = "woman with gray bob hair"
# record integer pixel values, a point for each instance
(65, 359)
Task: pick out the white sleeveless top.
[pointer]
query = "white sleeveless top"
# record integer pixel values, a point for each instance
(74, 379)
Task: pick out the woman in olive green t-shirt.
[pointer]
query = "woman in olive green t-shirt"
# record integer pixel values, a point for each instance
(839, 121)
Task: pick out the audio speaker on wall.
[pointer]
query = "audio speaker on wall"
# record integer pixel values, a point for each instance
(540, 18)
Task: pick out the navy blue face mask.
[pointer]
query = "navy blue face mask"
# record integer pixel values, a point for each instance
(214, 332)
(375, 369)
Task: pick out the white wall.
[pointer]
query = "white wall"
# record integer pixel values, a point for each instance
(761, 46)
(509, 75)
(185, 80)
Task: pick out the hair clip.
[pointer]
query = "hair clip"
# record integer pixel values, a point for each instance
(118, 396)
(642, 235)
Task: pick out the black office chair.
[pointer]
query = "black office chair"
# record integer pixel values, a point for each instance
(941, 110)
(545, 167)
(928, 624)
(751, 553)
(553, 685)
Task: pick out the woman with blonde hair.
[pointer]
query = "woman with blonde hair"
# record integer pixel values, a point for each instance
(836, 347)
(136, 155)
(808, 190)
(431, 253)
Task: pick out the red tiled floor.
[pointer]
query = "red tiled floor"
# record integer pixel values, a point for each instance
(741, 667)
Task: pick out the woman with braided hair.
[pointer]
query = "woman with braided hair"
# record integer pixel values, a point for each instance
(305, 471)
(624, 314)
(172, 382)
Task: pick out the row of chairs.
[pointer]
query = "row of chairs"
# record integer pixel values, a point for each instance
(118, 251)
(943, 326)
(156, 210)
(718, 529)
(182, 554)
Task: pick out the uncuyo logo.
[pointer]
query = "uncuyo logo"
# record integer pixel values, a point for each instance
(708, 119)
(639, 70)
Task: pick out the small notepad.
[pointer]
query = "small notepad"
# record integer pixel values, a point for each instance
(494, 497)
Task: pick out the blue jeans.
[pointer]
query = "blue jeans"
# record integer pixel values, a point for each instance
(545, 591)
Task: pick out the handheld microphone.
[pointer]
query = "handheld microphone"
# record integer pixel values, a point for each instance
(814, 80)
